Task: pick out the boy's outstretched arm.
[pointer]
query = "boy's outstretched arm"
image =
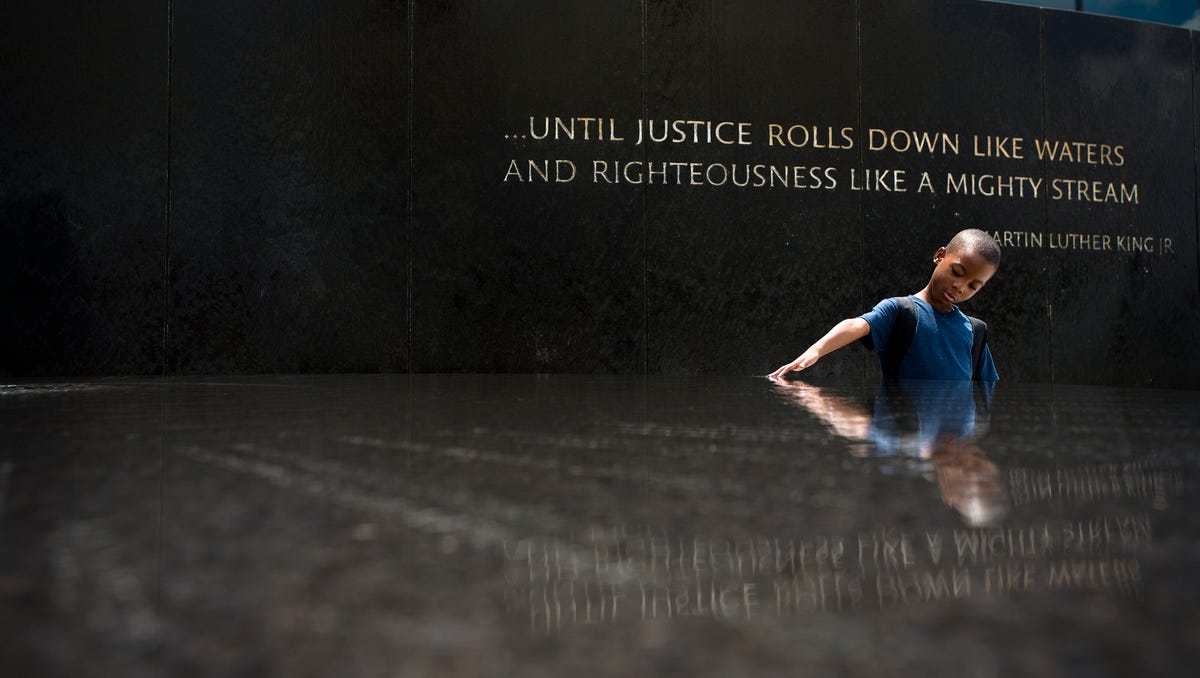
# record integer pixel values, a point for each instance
(842, 333)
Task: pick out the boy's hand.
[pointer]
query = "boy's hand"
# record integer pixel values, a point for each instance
(806, 360)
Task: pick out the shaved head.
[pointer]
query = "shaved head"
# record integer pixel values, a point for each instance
(977, 241)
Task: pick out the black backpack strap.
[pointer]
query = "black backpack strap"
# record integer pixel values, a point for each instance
(978, 341)
(899, 340)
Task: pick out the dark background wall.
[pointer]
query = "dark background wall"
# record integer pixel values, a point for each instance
(223, 187)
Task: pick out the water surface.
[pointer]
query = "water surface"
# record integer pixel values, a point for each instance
(546, 525)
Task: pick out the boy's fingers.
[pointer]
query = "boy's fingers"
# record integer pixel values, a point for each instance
(796, 364)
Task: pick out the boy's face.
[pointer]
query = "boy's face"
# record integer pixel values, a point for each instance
(957, 276)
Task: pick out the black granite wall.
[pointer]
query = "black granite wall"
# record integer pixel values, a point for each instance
(310, 186)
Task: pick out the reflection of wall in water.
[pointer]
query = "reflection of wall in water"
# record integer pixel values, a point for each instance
(1078, 485)
(626, 574)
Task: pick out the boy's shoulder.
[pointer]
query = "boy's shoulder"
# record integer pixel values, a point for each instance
(887, 306)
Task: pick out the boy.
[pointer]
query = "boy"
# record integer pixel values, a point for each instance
(943, 342)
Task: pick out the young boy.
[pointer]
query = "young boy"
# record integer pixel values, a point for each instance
(943, 340)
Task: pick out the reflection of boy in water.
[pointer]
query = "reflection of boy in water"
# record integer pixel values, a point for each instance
(910, 415)
(942, 340)
(935, 422)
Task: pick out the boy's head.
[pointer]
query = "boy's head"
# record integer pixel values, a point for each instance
(963, 267)
(975, 240)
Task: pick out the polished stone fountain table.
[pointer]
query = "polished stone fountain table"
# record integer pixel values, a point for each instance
(573, 525)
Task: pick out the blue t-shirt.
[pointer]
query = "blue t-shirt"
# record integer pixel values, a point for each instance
(941, 344)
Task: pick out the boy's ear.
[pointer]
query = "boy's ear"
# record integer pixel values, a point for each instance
(939, 255)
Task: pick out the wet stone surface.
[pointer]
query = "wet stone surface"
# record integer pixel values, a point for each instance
(535, 526)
